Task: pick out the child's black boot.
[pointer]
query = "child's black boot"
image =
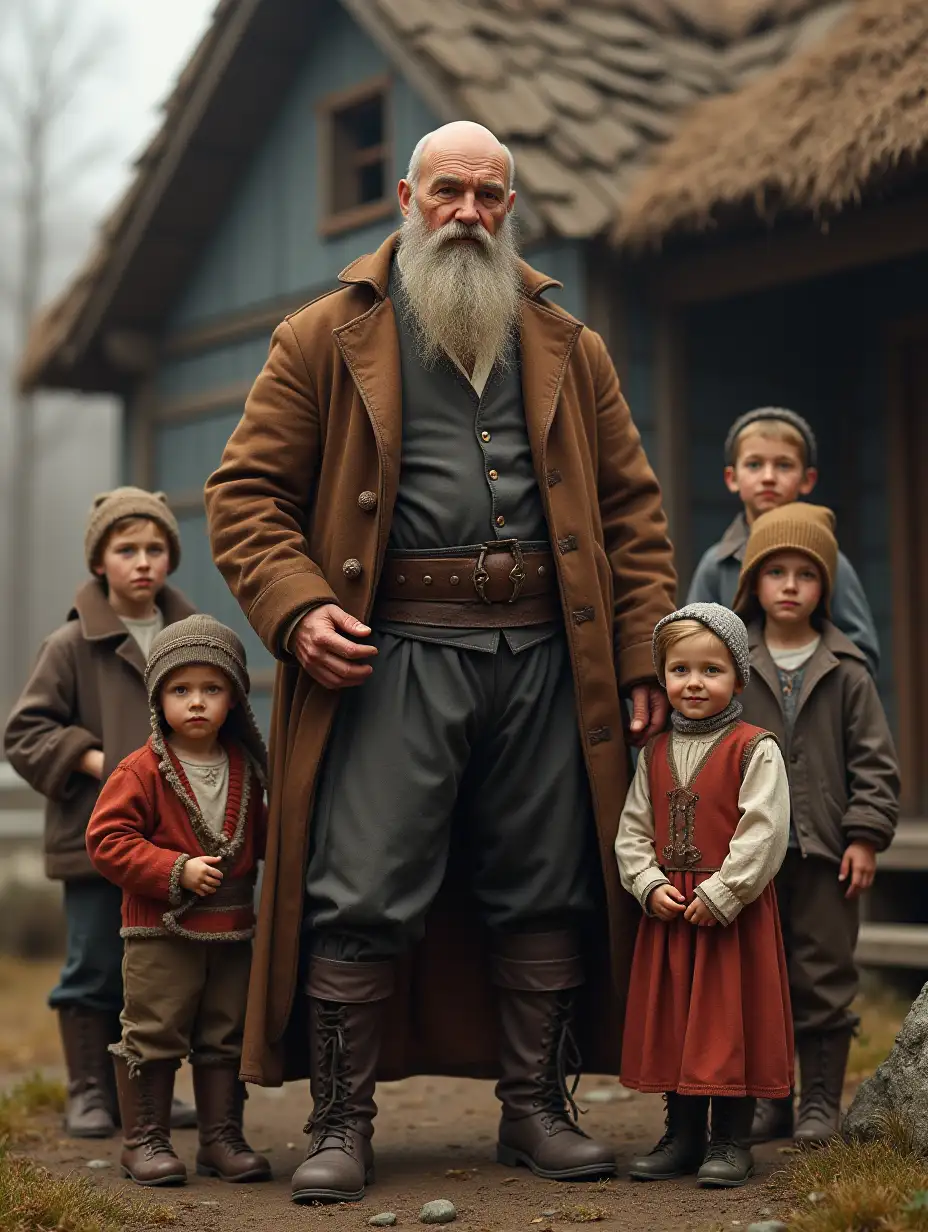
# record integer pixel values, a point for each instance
(728, 1161)
(683, 1146)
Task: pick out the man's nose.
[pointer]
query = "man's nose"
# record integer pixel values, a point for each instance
(467, 210)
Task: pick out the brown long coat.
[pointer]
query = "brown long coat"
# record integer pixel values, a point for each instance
(323, 424)
(86, 691)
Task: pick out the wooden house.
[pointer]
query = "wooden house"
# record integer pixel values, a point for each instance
(731, 192)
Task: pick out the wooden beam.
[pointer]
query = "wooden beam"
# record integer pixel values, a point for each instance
(199, 406)
(866, 237)
(234, 326)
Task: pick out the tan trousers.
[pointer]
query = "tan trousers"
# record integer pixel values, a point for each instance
(184, 998)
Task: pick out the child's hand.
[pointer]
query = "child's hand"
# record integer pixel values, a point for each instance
(91, 763)
(859, 864)
(200, 876)
(665, 901)
(699, 914)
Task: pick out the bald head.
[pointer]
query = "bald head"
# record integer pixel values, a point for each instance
(462, 138)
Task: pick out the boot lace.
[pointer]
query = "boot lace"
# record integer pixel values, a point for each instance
(668, 1137)
(329, 1117)
(155, 1138)
(561, 1058)
(229, 1132)
(722, 1152)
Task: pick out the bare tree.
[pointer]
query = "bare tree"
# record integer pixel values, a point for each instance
(50, 58)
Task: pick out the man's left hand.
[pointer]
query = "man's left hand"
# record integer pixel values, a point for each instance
(649, 713)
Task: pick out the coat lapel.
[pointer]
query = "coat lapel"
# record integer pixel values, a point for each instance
(370, 348)
(548, 340)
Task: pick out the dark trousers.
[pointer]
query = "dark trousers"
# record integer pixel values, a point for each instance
(819, 935)
(91, 977)
(444, 747)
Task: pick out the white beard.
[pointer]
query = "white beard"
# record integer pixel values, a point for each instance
(460, 298)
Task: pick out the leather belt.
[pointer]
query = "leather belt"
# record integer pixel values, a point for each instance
(496, 585)
(232, 893)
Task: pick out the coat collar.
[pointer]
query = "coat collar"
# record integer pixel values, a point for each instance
(373, 270)
(100, 623)
(833, 647)
(735, 539)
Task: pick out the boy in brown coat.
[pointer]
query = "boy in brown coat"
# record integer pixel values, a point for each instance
(82, 711)
(810, 686)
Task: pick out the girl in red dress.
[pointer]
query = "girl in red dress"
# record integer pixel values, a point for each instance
(704, 830)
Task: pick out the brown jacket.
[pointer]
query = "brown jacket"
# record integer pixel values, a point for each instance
(843, 771)
(86, 691)
(322, 425)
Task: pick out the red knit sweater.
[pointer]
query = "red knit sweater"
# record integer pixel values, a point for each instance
(146, 825)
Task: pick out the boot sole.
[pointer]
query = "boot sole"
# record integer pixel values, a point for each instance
(514, 1159)
(724, 1184)
(162, 1183)
(256, 1174)
(87, 1134)
(332, 1195)
(664, 1176)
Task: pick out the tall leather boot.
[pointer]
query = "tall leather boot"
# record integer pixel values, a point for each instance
(682, 1149)
(535, 975)
(145, 1106)
(183, 1115)
(773, 1118)
(346, 1002)
(85, 1038)
(223, 1152)
(729, 1162)
(822, 1065)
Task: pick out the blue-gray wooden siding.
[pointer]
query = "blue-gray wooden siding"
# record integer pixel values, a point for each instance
(268, 246)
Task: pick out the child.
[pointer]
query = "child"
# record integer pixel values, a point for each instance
(770, 456)
(810, 686)
(83, 710)
(703, 831)
(180, 825)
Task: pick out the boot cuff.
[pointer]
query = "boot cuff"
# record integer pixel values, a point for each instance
(350, 982)
(537, 962)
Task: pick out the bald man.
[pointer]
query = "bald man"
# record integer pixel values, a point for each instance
(437, 514)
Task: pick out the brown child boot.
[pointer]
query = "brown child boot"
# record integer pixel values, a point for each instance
(822, 1063)
(145, 1107)
(220, 1101)
(85, 1038)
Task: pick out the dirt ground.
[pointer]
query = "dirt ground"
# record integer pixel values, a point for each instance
(435, 1139)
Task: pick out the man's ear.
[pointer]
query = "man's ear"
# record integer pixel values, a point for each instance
(511, 202)
(731, 481)
(809, 480)
(404, 193)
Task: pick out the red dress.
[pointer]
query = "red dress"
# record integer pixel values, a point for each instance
(708, 1009)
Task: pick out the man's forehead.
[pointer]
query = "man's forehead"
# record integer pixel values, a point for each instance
(471, 166)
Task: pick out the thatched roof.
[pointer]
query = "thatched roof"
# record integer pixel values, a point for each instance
(820, 133)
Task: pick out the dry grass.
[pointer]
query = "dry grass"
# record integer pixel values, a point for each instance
(881, 1016)
(23, 1107)
(28, 1028)
(33, 1200)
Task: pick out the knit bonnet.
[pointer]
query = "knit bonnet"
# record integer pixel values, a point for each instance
(111, 507)
(802, 426)
(203, 640)
(797, 527)
(719, 620)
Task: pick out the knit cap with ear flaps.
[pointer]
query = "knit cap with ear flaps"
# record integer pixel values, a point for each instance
(797, 527)
(719, 620)
(111, 507)
(802, 426)
(203, 640)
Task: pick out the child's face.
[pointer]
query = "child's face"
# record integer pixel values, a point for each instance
(195, 702)
(700, 676)
(768, 473)
(789, 587)
(135, 563)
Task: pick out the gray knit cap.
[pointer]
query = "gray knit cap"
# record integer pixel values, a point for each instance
(802, 426)
(721, 621)
(203, 640)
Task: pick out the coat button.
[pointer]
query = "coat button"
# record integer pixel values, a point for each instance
(367, 502)
(352, 568)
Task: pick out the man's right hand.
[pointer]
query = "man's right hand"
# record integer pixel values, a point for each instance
(325, 654)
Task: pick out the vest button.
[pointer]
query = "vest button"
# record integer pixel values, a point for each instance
(352, 568)
(367, 502)
(484, 436)
(494, 474)
(500, 521)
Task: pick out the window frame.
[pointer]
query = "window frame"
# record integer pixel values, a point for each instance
(335, 221)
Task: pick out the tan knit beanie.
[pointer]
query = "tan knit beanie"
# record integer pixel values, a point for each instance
(203, 640)
(111, 507)
(797, 527)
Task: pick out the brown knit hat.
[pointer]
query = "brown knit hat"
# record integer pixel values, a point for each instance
(203, 640)
(796, 527)
(111, 507)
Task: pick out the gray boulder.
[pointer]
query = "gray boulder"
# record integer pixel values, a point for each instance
(899, 1088)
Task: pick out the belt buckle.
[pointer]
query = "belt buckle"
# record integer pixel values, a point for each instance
(516, 573)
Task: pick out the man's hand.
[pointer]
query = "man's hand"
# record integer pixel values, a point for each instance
(91, 763)
(649, 713)
(665, 901)
(200, 876)
(699, 914)
(859, 864)
(321, 650)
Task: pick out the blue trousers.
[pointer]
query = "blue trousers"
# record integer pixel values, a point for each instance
(92, 973)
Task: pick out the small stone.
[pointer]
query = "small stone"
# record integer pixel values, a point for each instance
(816, 1197)
(206, 1202)
(98, 1164)
(768, 1225)
(386, 1219)
(439, 1211)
